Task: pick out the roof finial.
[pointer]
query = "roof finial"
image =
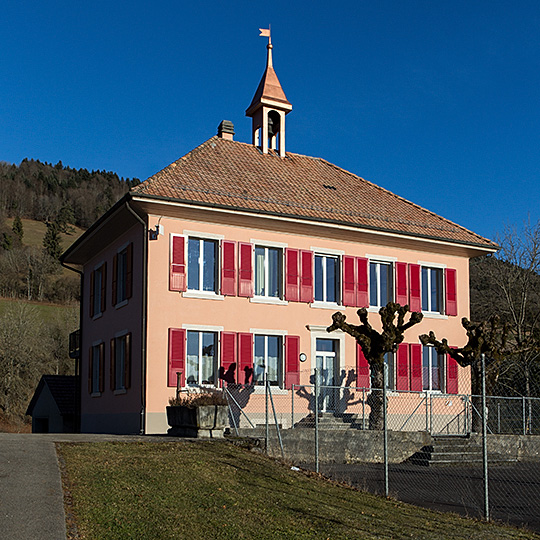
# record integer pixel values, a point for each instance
(265, 32)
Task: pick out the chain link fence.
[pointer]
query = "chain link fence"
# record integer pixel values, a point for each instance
(425, 448)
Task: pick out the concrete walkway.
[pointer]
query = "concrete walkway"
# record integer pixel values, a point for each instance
(31, 498)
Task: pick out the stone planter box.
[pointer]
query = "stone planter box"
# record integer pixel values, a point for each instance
(205, 421)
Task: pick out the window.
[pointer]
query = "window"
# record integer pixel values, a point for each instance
(268, 360)
(122, 275)
(96, 369)
(201, 366)
(390, 371)
(268, 271)
(432, 290)
(202, 267)
(326, 279)
(121, 362)
(432, 369)
(381, 284)
(97, 291)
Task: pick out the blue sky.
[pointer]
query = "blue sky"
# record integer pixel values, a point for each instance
(435, 101)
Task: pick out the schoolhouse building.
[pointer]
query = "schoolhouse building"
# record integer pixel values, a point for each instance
(226, 266)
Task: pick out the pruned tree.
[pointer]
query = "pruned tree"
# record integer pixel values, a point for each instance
(491, 338)
(376, 344)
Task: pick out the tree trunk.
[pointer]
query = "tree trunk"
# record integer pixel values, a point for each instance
(375, 398)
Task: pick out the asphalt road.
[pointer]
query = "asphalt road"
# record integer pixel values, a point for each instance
(514, 489)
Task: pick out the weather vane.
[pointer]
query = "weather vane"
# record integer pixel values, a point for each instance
(265, 32)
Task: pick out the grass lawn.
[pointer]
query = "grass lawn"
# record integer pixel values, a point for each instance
(212, 490)
(46, 311)
(34, 231)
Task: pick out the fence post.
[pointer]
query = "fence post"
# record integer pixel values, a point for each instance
(498, 417)
(363, 409)
(484, 439)
(267, 429)
(524, 415)
(316, 407)
(427, 412)
(292, 406)
(385, 427)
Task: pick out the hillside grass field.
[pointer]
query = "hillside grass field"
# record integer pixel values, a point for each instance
(46, 311)
(34, 231)
(213, 489)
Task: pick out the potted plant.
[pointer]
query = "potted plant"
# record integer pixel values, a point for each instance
(201, 414)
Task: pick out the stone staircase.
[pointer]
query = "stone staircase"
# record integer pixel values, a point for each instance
(446, 450)
(329, 421)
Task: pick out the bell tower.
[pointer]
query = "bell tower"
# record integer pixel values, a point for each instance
(269, 107)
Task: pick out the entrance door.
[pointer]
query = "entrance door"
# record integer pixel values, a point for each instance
(327, 370)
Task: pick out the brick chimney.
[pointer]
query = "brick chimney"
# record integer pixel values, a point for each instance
(226, 130)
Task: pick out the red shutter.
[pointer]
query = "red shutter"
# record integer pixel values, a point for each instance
(228, 268)
(451, 375)
(292, 361)
(416, 367)
(103, 286)
(362, 290)
(306, 276)
(177, 356)
(127, 362)
(129, 270)
(177, 273)
(101, 367)
(114, 279)
(229, 366)
(402, 289)
(362, 369)
(112, 365)
(92, 285)
(90, 366)
(245, 358)
(451, 292)
(292, 277)
(349, 281)
(245, 272)
(415, 299)
(402, 375)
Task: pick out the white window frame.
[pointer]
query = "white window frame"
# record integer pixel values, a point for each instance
(281, 360)
(121, 278)
(266, 297)
(200, 292)
(119, 337)
(97, 290)
(203, 330)
(442, 292)
(442, 371)
(96, 372)
(379, 262)
(324, 302)
(391, 364)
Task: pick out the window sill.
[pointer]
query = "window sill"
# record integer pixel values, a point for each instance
(434, 315)
(274, 390)
(97, 316)
(121, 304)
(120, 391)
(95, 394)
(204, 295)
(268, 300)
(324, 305)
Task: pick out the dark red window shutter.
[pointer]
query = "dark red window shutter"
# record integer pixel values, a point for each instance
(114, 279)
(402, 289)
(245, 271)
(177, 274)
(112, 365)
(451, 375)
(229, 363)
(349, 281)
(127, 362)
(415, 298)
(245, 358)
(101, 367)
(90, 369)
(129, 270)
(402, 372)
(292, 277)
(292, 361)
(362, 290)
(416, 367)
(92, 287)
(451, 292)
(306, 276)
(228, 268)
(362, 369)
(177, 356)
(103, 287)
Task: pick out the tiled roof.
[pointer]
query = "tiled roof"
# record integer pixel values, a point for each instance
(237, 175)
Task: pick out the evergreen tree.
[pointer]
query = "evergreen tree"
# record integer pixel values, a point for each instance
(17, 228)
(51, 241)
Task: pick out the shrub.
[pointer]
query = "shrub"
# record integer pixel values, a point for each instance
(194, 399)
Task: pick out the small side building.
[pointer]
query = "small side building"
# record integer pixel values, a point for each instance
(53, 405)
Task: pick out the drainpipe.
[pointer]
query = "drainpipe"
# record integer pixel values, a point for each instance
(78, 361)
(143, 317)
